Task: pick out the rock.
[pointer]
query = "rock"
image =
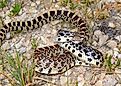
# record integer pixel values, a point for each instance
(68, 73)
(118, 71)
(5, 82)
(119, 56)
(38, 2)
(20, 13)
(1, 25)
(111, 24)
(112, 44)
(43, 39)
(33, 10)
(115, 52)
(88, 75)
(111, 1)
(118, 84)
(8, 35)
(5, 46)
(28, 57)
(10, 1)
(94, 43)
(109, 80)
(2, 14)
(7, 12)
(102, 39)
(81, 80)
(22, 50)
(7, 19)
(109, 53)
(54, 1)
(33, 4)
(56, 5)
(1, 77)
(118, 38)
(63, 80)
(18, 45)
(97, 35)
(99, 83)
(27, 43)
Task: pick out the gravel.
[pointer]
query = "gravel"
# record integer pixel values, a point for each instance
(103, 38)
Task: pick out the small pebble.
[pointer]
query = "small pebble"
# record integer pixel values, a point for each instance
(7, 12)
(68, 73)
(7, 19)
(111, 1)
(116, 53)
(98, 33)
(22, 50)
(81, 80)
(111, 24)
(20, 13)
(109, 80)
(8, 35)
(56, 6)
(99, 83)
(38, 2)
(63, 80)
(33, 4)
(119, 56)
(118, 84)
(2, 14)
(103, 39)
(5, 46)
(109, 53)
(94, 43)
(33, 10)
(112, 44)
(11, 1)
(18, 45)
(118, 38)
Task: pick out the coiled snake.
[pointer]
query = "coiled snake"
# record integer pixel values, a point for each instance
(66, 53)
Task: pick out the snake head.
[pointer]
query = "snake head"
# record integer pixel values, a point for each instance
(64, 36)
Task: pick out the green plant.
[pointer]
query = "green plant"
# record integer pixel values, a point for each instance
(34, 43)
(16, 9)
(3, 3)
(87, 2)
(19, 69)
(64, 2)
(76, 84)
(109, 65)
(72, 5)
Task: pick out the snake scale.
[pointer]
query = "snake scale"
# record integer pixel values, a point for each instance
(58, 58)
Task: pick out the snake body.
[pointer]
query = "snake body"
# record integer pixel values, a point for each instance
(66, 53)
(43, 19)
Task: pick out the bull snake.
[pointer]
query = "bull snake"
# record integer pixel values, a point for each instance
(66, 53)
